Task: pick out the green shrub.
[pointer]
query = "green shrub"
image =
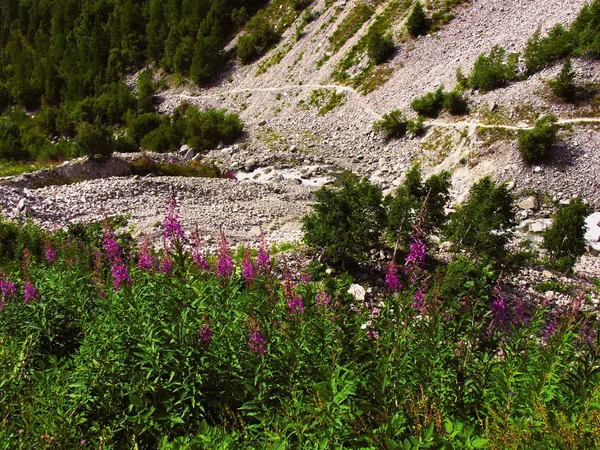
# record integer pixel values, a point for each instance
(299, 5)
(492, 71)
(406, 203)
(205, 129)
(416, 127)
(346, 222)
(417, 24)
(564, 86)
(380, 46)
(11, 147)
(430, 104)
(535, 145)
(565, 240)
(483, 225)
(585, 31)
(145, 91)
(5, 96)
(140, 126)
(541, 52)
(94, 141)
(259, 38)
(455, 103)
(392, 125)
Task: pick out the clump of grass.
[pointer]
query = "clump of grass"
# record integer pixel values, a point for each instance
(145, 165)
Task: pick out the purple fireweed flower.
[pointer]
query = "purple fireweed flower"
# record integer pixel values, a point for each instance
(263, 259)
(166, 265)
(520, 317)
(305, 277)
(8, 289)
(256, 340)
(415, 260)
(173, 232)
(111, 246)
(372, 334)
(419, 299)
(247, 267)
(551, 328)
(224, 259)
(198, 255)
(2, 306)
(392, 284)
(120, 275)
(294, 301)
(498, 305)
(30, 291)
(205, 334)
(50, 252)
(323, 300)
(146, 260)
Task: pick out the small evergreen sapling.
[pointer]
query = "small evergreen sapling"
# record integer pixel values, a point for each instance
(565, 240)
(416, 24)
(564, 86)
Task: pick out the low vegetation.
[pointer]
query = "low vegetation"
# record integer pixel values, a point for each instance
(432, 103)
(417, 23)
(535, 145)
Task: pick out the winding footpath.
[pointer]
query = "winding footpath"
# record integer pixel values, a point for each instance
(376, 114)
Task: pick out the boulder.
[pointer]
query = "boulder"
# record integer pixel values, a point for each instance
(358, 292)
(529, 203)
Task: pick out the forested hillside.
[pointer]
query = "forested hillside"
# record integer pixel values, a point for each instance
(66, 50)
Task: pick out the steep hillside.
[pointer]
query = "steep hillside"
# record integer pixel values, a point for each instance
(274, 98)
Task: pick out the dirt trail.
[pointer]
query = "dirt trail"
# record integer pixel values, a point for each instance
(370, 109)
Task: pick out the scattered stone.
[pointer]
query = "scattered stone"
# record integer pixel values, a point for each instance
(529, 203)
(358, 292)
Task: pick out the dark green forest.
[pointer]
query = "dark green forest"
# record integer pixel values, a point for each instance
(63, 62)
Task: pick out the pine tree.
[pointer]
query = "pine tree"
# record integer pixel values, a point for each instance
(564, 86)
(416, 24)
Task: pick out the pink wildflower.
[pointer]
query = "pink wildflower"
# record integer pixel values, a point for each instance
(198, 255)
(205, 334)
(30, 292)
(146, 261)
(173, 232)
(256, 340)
(323, 300)
(224, 259)
(247, 267)
(392, 284)
(50, 252)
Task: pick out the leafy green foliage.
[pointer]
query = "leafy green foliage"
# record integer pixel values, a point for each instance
(430, 104)
(413, 195)
(166, 361)
(346, 222)
(492, 71)
(417, 24)
(535, 145)
(483, 225)
(145, 92)
(94, 141)
(565, 240)
(564, 86)
(541, 52)
(380, 46)
(392, 125)
(259, 37)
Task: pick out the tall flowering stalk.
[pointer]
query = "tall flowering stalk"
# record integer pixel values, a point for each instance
(224, 260)
(8, 291)
(256, 340)
(49, 252)
(166, 264)
(323, 301)
(31, 292)
(198, 254)
(498, 305)
(205, 335)
(415, 260)
(114, 254)
(392, 284)
(248, 272)
(146, 260)
(173, 232)
(263, 259)
(294, 300)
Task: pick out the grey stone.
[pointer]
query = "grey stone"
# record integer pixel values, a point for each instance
(529, 203)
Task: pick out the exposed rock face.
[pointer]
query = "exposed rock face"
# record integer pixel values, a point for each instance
(529, 203)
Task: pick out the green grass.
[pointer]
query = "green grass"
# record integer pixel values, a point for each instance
(9, 169)
(326, 100)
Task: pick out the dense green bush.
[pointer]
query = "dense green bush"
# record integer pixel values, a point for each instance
(346, 222)
(11, 148)
(541, 52)
(483, 225)
(380, 46)
(564, 86)
(585, 31)
(565, 240)
(535, 145)
(430, 104)
(94, 141)
(145, 92)
(392, 125)
(410, 198)
(492, 71)
(417, 23)
(140, 126)
(258, 39)
(455, 103)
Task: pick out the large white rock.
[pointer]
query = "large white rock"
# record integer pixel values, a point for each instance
(358, 292)
(592, 236)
